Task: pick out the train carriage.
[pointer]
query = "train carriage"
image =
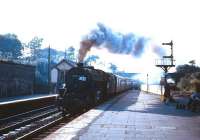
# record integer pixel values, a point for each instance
(111, 85)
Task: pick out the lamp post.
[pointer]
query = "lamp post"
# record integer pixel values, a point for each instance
(147, 83)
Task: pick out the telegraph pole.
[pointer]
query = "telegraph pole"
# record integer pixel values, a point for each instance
(49, 64)
(147, 83)
(65, 54)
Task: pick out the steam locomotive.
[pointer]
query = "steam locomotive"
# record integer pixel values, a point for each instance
(86, 87)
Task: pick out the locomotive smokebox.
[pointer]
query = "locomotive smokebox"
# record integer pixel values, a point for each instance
(80, 64)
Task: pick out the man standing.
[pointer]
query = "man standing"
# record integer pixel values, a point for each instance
(167, 92)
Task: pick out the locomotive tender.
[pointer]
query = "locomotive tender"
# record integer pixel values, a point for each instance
(86, 87)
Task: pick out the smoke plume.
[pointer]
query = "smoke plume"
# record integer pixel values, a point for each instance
(158, 50)
(85, 47)
(115, 42)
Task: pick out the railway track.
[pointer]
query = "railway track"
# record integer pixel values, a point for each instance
(34, 125)
(13, 122)
(16, 107)
(39, 129)
(30, 124)
(21, 116)
(49, 128)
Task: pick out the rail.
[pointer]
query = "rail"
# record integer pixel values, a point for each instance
(27, 121)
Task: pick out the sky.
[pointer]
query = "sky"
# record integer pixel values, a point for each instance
(63, 23)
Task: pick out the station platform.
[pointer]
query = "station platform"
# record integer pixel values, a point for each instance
(132, 115)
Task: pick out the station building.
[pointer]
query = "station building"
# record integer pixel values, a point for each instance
(58, 73)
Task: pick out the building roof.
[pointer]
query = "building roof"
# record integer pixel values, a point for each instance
(69, 62)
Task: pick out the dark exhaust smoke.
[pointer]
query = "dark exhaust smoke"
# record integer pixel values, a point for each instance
(85, 46)
(115, 42)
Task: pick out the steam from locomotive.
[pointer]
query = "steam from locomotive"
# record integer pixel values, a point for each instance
(116, 43)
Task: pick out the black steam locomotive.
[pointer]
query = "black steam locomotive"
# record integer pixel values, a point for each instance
(86, 87)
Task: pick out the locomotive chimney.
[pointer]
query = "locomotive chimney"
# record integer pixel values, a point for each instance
(80, 64)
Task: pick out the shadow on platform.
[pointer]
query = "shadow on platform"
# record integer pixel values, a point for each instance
(148, 103)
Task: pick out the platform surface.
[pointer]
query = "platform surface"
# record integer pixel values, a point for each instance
(132, 116)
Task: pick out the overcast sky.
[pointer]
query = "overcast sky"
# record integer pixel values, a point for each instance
(62, 23)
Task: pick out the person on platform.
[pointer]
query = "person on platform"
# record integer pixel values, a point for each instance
(167, 93)
(194, 101)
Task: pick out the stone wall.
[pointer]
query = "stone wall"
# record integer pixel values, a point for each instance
(16, 79)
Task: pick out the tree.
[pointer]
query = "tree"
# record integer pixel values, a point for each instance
(192, 62)
(42, 64)
(41, 72)
(35, 45)
(182, 71)
(43, 53)
(113, 67)
(91, 58)
(184, 75)
(10, 46)
(187, 69)
(190, 82)
(70, 52)
(184, 82)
